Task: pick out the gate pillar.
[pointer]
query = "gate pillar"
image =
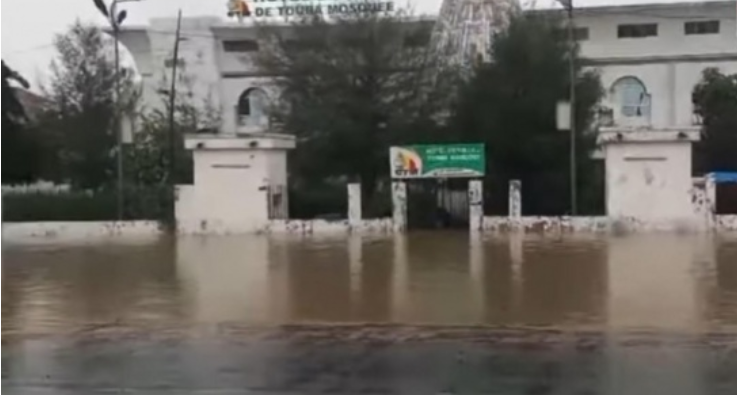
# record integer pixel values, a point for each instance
(399, 205)
(476, 205)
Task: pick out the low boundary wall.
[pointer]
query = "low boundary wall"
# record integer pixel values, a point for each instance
(92, 232)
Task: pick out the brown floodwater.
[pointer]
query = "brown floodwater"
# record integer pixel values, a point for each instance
(663, 282)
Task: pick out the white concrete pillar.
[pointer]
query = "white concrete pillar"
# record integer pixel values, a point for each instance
(515, 199)
(476, 205)
(399, 205)
(355, 214)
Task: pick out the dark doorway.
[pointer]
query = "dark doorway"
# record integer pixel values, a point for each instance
(726, 198)
(437, 204)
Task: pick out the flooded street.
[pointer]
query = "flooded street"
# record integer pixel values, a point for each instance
(423, 313)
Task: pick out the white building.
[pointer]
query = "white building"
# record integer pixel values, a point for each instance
(650, 57)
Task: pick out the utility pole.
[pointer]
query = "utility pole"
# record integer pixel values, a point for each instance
(568, 5)
(172, 126)
(572, 71)
(116, 120)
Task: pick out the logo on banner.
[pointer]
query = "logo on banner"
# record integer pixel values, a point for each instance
(238, 9)
(406, 163)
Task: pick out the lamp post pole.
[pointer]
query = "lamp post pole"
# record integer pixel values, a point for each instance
(115, 20)
(172, 127)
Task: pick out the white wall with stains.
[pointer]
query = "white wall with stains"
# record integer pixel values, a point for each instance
(232, 180)
(649, 181)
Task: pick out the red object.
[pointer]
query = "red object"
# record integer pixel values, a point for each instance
(245, 11)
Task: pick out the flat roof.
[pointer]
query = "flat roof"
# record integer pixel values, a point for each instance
(642, 9)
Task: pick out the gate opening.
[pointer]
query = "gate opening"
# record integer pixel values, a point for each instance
(437, 204)
(432, 185)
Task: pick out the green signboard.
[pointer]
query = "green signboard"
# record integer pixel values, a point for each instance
(437, 161)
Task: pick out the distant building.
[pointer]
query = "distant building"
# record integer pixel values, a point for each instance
(650, 57)
(33, 104)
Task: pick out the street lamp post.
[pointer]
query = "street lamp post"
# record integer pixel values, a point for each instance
(115, 19)
(568, 5)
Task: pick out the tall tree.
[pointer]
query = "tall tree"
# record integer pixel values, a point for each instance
(19, 148)
(83, 97)
(715, 102)
(510, 104)
(352, 86)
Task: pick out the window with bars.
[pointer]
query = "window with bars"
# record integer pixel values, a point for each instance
(639, 30)
(701, 27)
(252, 108)
(240, 46)
(631, 97)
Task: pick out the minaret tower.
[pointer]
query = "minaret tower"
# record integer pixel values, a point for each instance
(465, 28)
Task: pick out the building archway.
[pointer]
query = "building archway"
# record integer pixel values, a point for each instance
(252, 108)
(631, 99)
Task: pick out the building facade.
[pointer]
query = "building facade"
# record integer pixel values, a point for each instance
(649, 56)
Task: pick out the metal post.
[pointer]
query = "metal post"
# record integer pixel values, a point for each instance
(172, 127)
(116, 114)
(115, 20)
(572, 76)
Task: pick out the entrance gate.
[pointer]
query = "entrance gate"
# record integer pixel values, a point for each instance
(431, 185)
(437, 203)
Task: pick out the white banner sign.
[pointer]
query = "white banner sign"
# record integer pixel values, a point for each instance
(283, 8)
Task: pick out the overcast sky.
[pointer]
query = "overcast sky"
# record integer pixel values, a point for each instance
(28, 27)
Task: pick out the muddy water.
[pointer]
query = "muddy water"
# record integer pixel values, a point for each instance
(646, 314)
(661, 282)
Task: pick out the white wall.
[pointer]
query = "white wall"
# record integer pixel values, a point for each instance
(228, 191)
(197, 48)
(669, 64)
(670, 85)
(603, 42)
(649, 181)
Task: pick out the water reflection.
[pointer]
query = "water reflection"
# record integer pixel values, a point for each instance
(643, 281)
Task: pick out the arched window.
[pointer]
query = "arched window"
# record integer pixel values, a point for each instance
(631, 98)
(252, 107)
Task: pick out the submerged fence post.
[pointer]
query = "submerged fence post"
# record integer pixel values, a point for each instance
(515, 199)
(710, 189)
(355, 214)
(711, 193)
(476, 205)
(399, 205)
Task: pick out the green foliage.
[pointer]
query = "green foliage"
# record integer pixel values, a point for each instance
(353, 86)
(149, 203)
(715, 102)
(317, 199)
(510, 105)
(20, 149)
(149, 156)
(80, 122)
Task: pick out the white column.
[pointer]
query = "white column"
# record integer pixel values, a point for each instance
(355, 214)
(515, 199)
(711, 194)
(399, 205)
(476, 205)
